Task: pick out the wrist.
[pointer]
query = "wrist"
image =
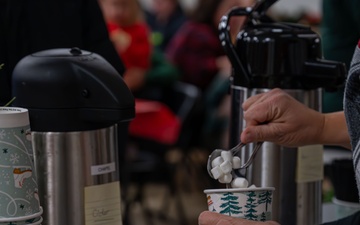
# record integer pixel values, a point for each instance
(334, 131)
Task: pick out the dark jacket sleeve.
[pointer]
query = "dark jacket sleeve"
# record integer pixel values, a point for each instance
(97, 39)
(31, 26)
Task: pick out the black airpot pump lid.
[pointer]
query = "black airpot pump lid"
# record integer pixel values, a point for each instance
(71, 90)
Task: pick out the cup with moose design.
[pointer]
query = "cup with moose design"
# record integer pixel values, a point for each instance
(19, 199)
(252, 203)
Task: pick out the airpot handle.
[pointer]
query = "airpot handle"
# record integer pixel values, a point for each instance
(254, 15)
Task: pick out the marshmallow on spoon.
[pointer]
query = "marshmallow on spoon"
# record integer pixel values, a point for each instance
(226, 178)
(239, 182)
(226, 167)
(227, 155)
(217, 161)
(236, 162)
(217, 172)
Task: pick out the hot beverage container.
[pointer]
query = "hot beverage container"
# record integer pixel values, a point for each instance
(76, 102)
(265, 55)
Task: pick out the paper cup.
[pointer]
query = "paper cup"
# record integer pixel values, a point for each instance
(34, 221)
(19, 200)
(344, 209)
(248, 203)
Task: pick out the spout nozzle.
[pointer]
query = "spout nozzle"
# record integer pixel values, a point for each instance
(327, 74)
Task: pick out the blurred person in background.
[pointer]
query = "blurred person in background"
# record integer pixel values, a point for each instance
(131, 37)
(27, 28)
(147, 70)
(196, 48)
(164, 17)
(197, 52)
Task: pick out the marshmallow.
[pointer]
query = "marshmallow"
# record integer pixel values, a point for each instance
(217, 161)
(226, 179)
(226, 155)
(226, 167)
(236, 162)
(216, 172)
(239, 182)
(252, 186)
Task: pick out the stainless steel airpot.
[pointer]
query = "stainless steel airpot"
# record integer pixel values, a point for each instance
(76, 102)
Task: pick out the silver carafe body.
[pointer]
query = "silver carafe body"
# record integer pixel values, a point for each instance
(69, 162)
(296, 200)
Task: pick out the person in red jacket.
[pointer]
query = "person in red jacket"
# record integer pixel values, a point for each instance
(131, 36)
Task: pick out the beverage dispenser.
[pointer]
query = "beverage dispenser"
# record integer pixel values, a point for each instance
(76, 102)
(266, 55)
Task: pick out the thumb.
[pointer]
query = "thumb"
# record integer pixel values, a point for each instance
(265, 132)
(211, 218)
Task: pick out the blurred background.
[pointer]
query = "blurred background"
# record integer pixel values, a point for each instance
(181, 116)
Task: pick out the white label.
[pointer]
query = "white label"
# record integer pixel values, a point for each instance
(103, 204)
(103, 169)
(310, 165)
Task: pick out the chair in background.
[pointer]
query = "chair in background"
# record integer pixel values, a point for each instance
(159, 127)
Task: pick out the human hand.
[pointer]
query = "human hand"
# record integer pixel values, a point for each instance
(212, 218)
(134, 78)
(277, 117)
(121, 40)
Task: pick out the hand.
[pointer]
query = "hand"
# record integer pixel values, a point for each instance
(135, 78)
(211, 218)
(277, 117)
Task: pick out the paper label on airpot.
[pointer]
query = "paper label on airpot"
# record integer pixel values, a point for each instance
(310, 165)
(103, 169)
(102, 204)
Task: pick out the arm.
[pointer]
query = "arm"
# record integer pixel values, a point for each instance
(277, 117)
(335, 131)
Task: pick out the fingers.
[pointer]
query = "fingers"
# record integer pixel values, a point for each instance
(259, 113)
(250, 101)
(262, 97)
(266, 107)
(259, 133)
(211, 218)
(266, 116)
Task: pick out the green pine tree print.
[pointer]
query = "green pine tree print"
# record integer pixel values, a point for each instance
(229, 206)
(265, 197)
(250, 214)
(263, 217)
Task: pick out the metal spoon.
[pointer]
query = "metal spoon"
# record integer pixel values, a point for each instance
(234, 151)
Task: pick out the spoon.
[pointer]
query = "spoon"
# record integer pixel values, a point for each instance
(234, 151)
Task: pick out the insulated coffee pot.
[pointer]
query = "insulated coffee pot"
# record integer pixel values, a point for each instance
(76, 102)
(265, 55)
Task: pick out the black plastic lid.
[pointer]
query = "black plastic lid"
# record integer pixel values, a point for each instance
(287, 56)
(71, 90)
(270, 54)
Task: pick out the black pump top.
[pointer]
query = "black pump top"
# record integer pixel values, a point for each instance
(270, 54)
(71, 90)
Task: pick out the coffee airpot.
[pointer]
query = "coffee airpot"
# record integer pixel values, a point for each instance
(265, 55)
(77, 102)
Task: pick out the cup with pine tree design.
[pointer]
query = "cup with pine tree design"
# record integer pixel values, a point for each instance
(252, 203)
